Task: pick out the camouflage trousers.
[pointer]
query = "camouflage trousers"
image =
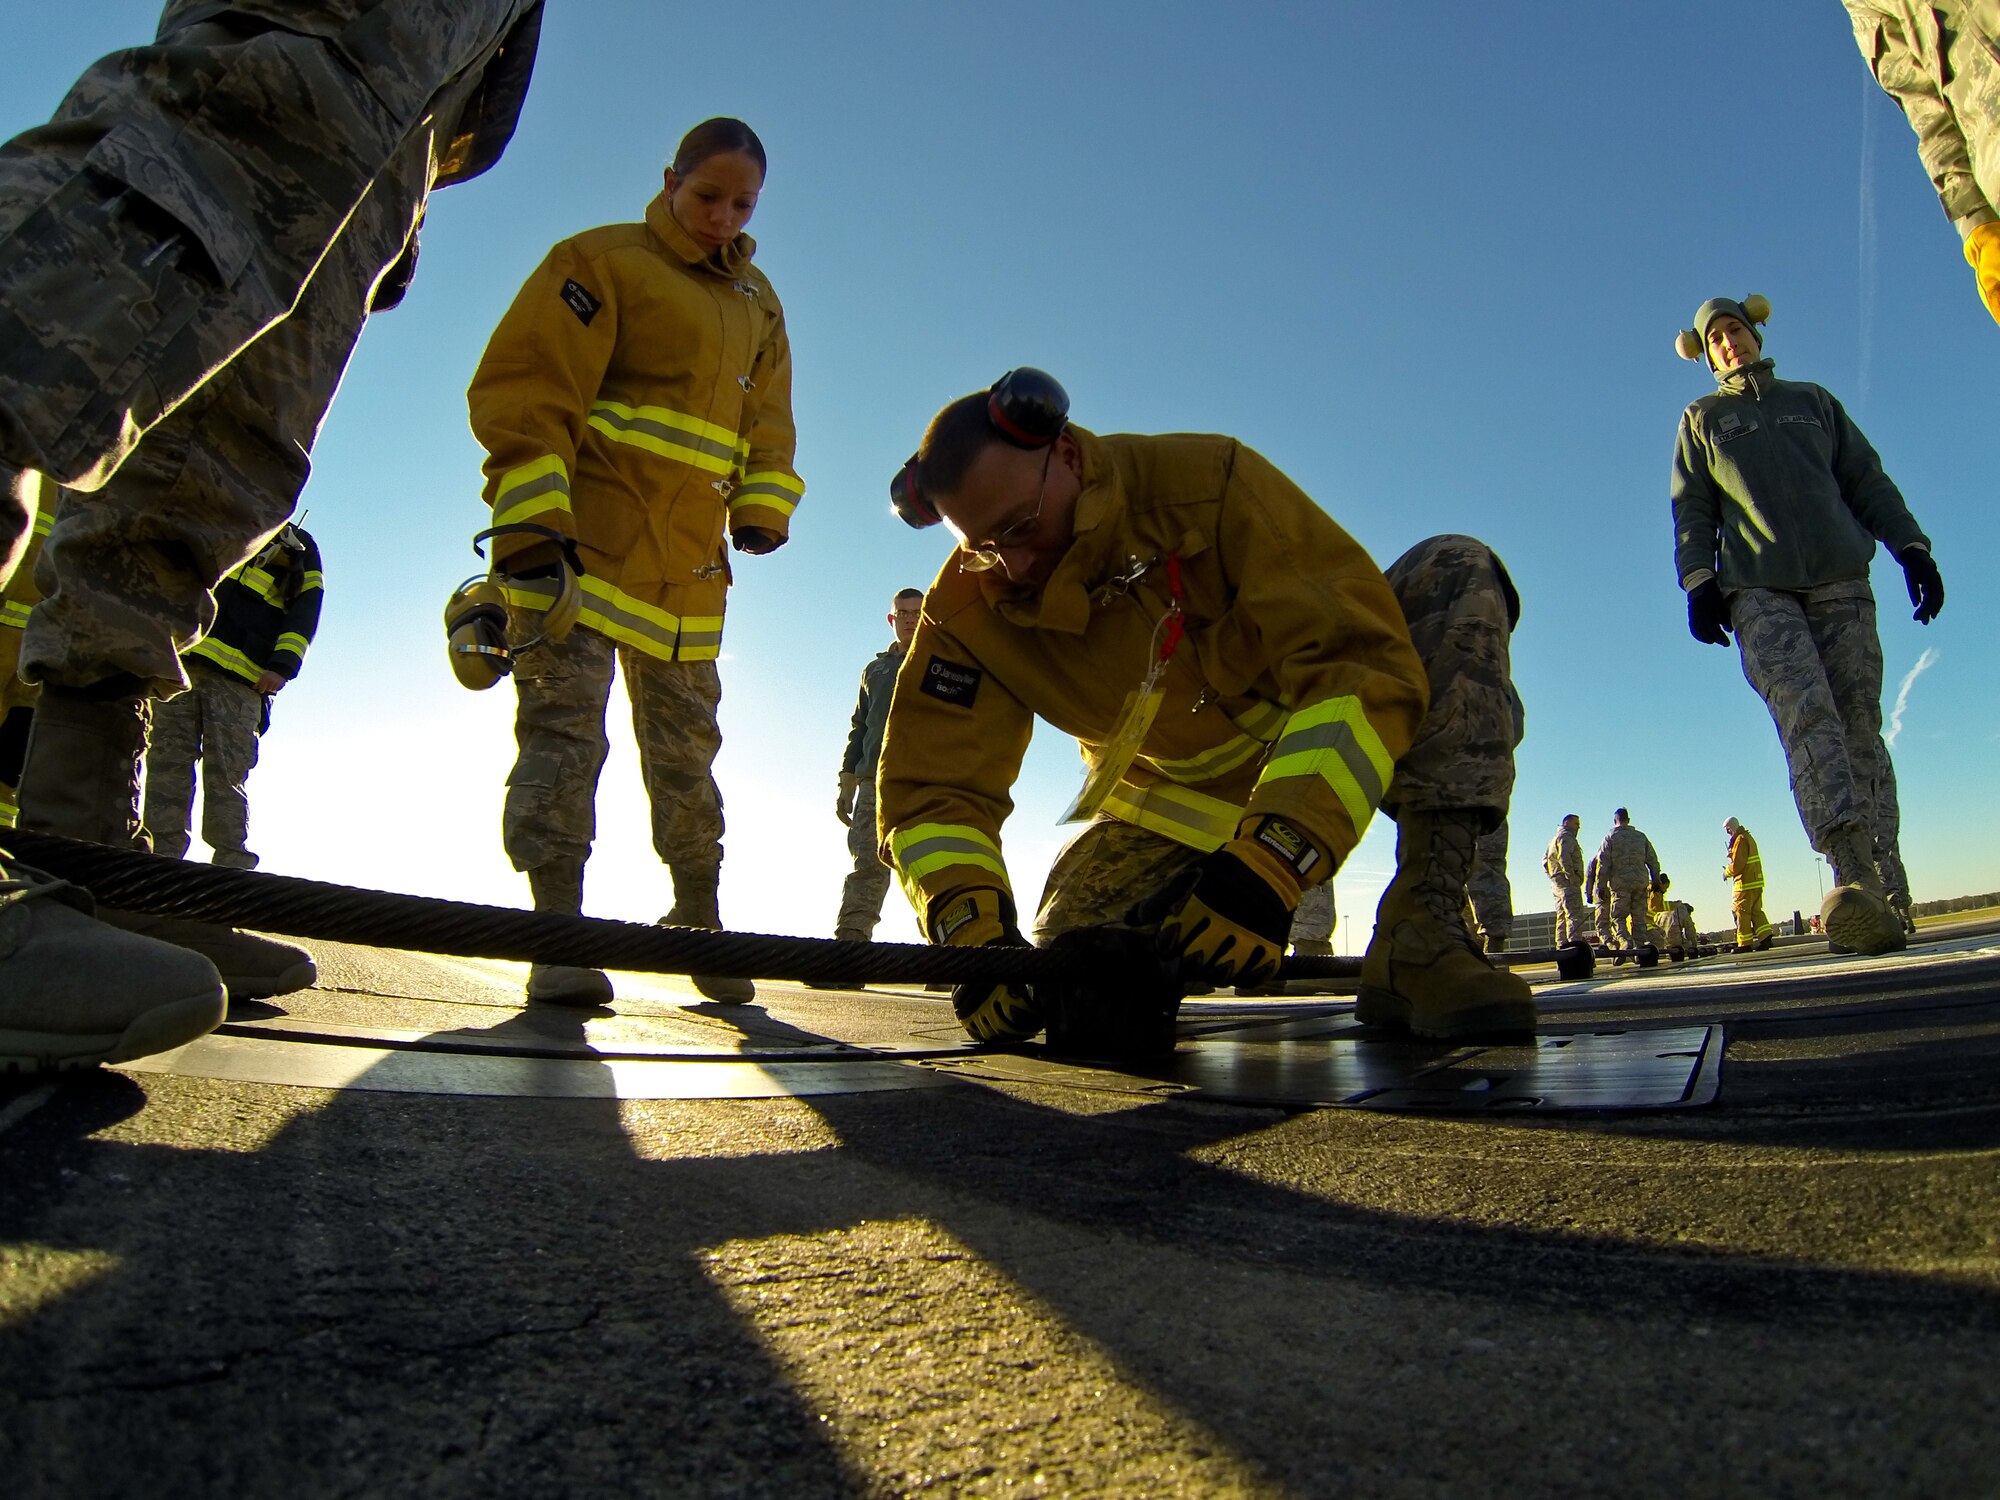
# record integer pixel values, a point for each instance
(217, 721)
(1572, 917)
(861, 894)
(1313, 922)
(167, 272)
(1458, 602)
(1487, 886)
(1601, 913)
(1751, 923)
(1631, 914)
(1816, 661)
(1677, 926)
(563, 691)
(1887, 828)
(186, 194)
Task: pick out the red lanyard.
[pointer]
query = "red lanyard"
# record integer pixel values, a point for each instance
(1176, 622)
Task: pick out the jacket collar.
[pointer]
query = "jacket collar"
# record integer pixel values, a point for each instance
(1752, 380)
(1094, 550)
(731, 260)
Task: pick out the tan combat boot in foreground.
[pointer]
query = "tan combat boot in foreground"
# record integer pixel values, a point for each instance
(558, 886)
(695, 906)
(1423, 970)
(74, 992)
(1857, 913)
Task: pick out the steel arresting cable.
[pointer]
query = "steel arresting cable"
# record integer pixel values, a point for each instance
(128, 880)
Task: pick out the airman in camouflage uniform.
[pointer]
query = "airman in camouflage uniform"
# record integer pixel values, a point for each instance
(1779, 502)
(1627, 863)
(187, 252)
(1597, 891)
(1562, 862)
(218, 721)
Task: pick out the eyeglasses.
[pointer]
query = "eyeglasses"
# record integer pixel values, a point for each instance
(983, 557)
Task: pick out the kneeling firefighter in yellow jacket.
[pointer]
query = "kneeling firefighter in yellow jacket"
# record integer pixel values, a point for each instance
(635, 406)
(1246, 684)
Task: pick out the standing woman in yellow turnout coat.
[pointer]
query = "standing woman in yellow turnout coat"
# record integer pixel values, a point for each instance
(635, 405)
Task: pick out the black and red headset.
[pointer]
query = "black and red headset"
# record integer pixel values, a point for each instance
(1026, 407)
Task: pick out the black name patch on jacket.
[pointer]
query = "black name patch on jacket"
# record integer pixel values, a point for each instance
(952, 682)
(580, 302)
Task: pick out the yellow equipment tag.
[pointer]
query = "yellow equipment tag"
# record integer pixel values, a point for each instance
(1142, 706)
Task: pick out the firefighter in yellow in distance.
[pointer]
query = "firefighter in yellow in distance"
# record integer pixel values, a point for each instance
(635, 404)
(1246, 683)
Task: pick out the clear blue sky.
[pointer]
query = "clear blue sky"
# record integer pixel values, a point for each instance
(1429, 259)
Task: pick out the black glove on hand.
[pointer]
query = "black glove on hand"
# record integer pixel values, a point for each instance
(978, 918)
(756, 540)
(1926, 584)
(1708, 613)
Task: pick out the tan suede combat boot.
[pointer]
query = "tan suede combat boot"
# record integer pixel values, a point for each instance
(81, 780)
(1857, 913)
(695, 905)
(558, 886)
(1423, 970)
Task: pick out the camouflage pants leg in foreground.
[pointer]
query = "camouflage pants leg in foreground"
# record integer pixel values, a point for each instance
(1572, 917)
(1103, 872)
(1815, 660)
(867, 883)
(673, 715)
(1601, 920)
(216, 721)
(185, 194)
(129, 569)
(1457, 600)
(561, 691)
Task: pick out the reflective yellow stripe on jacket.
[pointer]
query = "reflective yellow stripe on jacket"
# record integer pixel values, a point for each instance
(1334, 741)
(14, 614)
(1185, 816)
(771, 487)
(630, 622)
(1752, 877)
(925, 848)
(1261, 723)
(10, 812)
(535, 489)
(669, 433)
(226, 657)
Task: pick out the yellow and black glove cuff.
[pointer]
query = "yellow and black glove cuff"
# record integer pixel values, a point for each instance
(1234, 913)
(974, 918)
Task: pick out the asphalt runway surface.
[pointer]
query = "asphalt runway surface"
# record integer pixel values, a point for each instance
(1728, 1228)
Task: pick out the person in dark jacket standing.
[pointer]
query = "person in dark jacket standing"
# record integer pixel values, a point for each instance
(266, 614)
(1778, 504)
(868, 882)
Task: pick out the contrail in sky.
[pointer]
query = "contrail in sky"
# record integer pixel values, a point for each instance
(1903, 694)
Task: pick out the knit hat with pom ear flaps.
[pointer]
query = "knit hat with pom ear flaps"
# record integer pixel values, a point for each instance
(1692, 343)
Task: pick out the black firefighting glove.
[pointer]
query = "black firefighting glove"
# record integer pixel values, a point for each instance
(981, 917)
(1708, 613)
(1228, 917)
(1926, 584)
(756, 540)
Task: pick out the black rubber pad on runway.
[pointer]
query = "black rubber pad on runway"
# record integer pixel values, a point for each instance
(1328, 1061)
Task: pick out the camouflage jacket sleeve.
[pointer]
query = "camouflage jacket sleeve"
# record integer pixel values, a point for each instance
(1697, 505)
(857, 732)
(1572, 859)
(1904, 49)
(944, 785)
(531, 396)
(1869, 493)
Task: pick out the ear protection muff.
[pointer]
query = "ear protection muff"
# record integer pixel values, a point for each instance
(1026, 407)
(475, 626)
